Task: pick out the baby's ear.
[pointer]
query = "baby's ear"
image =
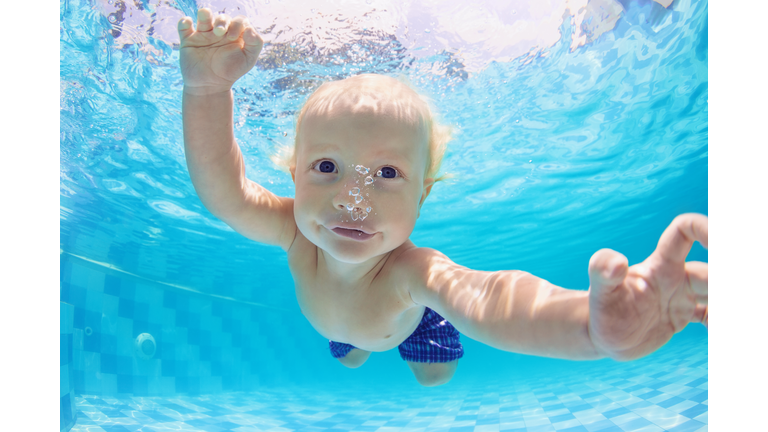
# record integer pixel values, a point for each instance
(428, 183)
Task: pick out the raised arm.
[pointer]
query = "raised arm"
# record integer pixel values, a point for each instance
(628, 312)
(212, 58)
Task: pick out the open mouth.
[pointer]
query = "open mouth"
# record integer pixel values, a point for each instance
(354, 234)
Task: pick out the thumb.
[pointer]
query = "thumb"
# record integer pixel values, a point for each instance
(607, 270)
(252, 43)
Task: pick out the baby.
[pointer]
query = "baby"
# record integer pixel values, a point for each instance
(366, 156)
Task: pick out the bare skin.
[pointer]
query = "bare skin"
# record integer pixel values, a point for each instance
(363, 282)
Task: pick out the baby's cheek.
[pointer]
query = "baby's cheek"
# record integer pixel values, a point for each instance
(300, 212)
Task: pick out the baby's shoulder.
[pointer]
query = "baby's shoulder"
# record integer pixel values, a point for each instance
(416, 270)
(417, 263)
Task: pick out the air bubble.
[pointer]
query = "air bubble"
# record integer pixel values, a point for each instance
(368, 209)
(358, 213)
(112, 19)
(368, 180)
(350, 207)
(362, 170)
(354, 191)
(358, 198)
(379, 173)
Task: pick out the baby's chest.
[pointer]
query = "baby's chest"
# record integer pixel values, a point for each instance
(347, 313)
(372, 315)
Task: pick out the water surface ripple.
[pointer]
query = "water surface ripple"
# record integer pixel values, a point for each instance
(559, 150)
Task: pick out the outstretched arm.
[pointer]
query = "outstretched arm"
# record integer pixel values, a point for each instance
(509, 310)
(628, 312)
(213, 57)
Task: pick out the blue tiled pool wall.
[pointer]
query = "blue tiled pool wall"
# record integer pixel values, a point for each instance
(204, 345)
(67, 408)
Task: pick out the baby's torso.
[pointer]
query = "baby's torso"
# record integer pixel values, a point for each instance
(376, 315)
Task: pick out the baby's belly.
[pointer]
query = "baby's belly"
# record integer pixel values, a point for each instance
(370, 330)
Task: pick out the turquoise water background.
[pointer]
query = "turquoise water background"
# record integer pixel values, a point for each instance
(555, 157)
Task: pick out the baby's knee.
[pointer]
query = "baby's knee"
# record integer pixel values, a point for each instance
(355, 358)
(433, 374)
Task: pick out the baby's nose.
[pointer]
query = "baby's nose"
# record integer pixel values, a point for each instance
(341, 199)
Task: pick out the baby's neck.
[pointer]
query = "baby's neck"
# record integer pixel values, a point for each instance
(351, 274)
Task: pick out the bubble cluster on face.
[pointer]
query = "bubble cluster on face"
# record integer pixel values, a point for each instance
(359, 213)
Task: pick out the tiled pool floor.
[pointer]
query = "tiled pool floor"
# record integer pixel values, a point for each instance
(669, 393)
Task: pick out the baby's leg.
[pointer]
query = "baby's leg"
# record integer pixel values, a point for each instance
(433, 374)
(355, 358)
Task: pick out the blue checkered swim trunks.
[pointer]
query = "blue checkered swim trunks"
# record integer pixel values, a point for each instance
(435, 340)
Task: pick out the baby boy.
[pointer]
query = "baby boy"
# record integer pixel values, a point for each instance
(366, 156)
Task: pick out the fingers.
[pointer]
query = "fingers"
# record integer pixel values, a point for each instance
(677, 239)
(252, 42)
(236, 27)
(241, 27)
(204, 20)
(607, 269)
(697, 273)
(701, 315)
(698, 278)
(220, 24)
(224, 26)
(185, 28)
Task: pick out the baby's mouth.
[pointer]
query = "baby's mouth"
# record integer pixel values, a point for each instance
(353, 234)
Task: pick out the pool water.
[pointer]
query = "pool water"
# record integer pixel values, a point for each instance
(578, 126)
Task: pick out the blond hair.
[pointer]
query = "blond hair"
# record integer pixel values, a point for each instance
(368, 92)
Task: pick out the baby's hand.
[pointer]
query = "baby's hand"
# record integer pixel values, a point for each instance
(219, 52)
(634, 311)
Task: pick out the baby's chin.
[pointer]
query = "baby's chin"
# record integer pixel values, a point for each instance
(352, 253)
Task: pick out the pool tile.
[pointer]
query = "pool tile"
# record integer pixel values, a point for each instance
(664, 392)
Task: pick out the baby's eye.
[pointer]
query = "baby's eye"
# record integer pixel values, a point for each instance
(325, 166)
(388, 172)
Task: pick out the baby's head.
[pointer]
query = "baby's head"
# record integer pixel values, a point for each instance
(375, 92)
(366, 155)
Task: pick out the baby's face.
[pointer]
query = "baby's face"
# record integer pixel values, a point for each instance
(359, 182)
